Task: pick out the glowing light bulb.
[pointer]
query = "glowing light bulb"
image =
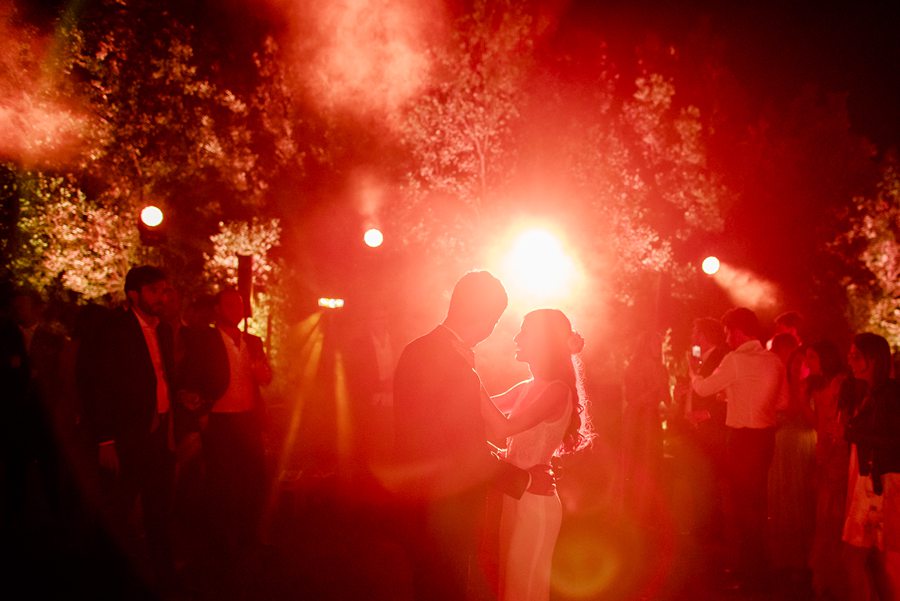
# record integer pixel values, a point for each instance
(151, 216)
(710, 265)
(373, 238)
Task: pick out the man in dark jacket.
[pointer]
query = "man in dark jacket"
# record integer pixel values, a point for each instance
(445, 462)
(130, 417)
(221, 375)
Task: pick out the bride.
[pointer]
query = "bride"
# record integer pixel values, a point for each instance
(544, 418)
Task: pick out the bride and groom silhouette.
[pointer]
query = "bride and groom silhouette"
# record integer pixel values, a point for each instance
(444, 419)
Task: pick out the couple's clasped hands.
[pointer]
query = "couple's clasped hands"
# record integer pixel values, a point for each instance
(541, 478)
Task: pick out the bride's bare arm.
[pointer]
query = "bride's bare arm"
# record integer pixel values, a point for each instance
(550, 404)
(505, 400)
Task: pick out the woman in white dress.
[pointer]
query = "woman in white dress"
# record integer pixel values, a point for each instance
(545, 417)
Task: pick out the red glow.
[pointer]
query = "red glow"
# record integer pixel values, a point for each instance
(34, 124)
(538, 268)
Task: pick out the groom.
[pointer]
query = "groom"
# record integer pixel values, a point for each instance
(441, 442)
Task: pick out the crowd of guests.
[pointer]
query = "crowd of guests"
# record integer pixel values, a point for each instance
(793, 447)
(118, 413)
(794, 450)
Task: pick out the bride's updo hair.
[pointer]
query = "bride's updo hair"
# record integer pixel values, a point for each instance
(561, 361)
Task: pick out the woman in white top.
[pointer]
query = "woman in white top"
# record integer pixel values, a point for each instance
(545, 417)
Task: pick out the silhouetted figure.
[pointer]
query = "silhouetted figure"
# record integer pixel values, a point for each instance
(646, 389)
(131, 420)
(791, 491)
(790, 323)
(221, 375)
(707, 415)
(15, 381)
(34, 414)
(830, 391)
(872, 527)
(755, 387)
(545, 419)
(444, 463)
(372, 359)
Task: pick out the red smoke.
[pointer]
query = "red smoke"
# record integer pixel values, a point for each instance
(36, 125)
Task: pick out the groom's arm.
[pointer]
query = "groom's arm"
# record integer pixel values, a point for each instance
(514, 481)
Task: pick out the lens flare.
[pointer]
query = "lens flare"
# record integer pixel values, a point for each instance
(151, 216)
(710, 265)
(331, 303)
(538, 266)
(373, 238)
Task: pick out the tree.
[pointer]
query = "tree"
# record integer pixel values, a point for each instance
(870, 247)
(628, 174)
(69, 239)
(641, 166)
(459, 131)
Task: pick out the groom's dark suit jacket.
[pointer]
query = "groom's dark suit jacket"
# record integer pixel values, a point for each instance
(440, 438)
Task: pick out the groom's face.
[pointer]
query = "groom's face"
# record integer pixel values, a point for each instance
(480, 327)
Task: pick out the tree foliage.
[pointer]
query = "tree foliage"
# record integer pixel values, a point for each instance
(459, 131)
(871, 242)
(641, 166)
(69, 240)
(629, 174)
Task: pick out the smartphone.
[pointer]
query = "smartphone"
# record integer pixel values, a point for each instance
(695, 351)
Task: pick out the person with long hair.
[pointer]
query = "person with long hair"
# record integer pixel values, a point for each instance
(827, 389)
(872, 525)
(547, 417)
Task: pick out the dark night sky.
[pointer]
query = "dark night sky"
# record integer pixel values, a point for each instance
(776, 48)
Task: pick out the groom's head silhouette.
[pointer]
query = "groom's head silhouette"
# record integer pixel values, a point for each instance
(477, 302)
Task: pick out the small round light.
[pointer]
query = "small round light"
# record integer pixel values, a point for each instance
(373, 238)
(151, 216)
(710, 265)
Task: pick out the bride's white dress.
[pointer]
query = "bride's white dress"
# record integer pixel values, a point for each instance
(529, 526)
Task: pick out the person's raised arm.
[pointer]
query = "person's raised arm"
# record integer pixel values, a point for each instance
(549, 405)
(505, 400)
(716, 381)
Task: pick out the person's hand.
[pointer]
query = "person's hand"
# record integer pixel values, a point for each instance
(498, 453)
(109, 458)
(699, 416)
(189, 400)
(693, 365)
(542, 480)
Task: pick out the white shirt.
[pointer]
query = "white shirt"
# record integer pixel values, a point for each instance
(238, 396)
(755, 386)
(162, 388)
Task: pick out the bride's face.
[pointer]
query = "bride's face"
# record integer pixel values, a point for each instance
(527, 343)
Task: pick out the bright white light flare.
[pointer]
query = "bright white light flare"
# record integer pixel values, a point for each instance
(538, 266)
(151, 216)
(331, 303)
(710, 265)
(373, 238)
